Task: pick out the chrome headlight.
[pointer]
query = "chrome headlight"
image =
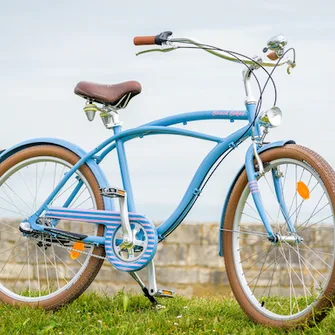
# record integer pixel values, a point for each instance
(271, 118)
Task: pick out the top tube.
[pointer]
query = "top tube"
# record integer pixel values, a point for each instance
(229, 114)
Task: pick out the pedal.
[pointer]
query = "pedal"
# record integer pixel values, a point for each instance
(112, 192)
(164, 293)
(66, 234)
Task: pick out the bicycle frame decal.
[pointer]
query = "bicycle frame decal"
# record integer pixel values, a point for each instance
(253, 186)
(230, 113)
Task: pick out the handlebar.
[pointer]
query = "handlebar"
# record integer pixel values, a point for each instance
(159, 39)
(164, 39)
(144, 40)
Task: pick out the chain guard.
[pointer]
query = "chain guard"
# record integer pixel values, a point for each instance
(122, 258)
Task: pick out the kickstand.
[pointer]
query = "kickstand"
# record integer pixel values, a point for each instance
(144, 288)
(152, 299)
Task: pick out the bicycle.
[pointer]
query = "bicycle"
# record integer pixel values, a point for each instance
(59, 221)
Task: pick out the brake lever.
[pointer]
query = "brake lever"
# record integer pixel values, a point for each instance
(291, 65)
(153, 50)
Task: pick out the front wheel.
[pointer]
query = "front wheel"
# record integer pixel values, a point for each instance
(290, 281)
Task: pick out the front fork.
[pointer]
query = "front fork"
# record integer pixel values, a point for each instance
(253, 176)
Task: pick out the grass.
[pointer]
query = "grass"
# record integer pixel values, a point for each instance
(132, 314)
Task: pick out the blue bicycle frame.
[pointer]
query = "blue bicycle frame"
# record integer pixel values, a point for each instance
(162, 126)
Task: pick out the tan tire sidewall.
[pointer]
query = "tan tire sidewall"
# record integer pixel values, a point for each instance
(328, 177)
(94, 264)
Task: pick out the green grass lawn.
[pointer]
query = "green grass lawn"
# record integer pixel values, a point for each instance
(131, 314)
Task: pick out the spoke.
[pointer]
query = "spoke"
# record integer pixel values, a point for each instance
(307, 268)
(18, 254)
(19, 213)
(19, 276)
(13, 248)
(46, 267)
(61, 174)
(53, 264)
(330, 216)
(289, 269)
(60, 194)
(317, 251)
(265, 253)
(38, 271)
(65, 265)
(6, 224)
(17, 244)
(247, 232)
(77, 197)
(11, 189)
(249, 245)
(36, 174)
(252, 255)
(54, 179)
(304, 260)
(309, 219)
(13, 203)
(20, 174)
(301, 274)
(39, 185)
(89, 197)
(252, 207)
(273, 273)
(316, 254)
(28, 259)
(10, 203)
(250, 216)
(261, 271)
(53, 251)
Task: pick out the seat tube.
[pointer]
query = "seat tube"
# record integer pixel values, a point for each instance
(124, 170)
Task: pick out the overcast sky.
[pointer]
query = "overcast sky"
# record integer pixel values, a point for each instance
(48, 46)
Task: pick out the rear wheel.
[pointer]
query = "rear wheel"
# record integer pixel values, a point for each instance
(35, 270)
(291, 281)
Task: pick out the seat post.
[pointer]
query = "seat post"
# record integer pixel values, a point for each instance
(124, 170)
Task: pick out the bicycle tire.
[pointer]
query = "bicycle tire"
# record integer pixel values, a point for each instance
(272, 306)
(85, 269)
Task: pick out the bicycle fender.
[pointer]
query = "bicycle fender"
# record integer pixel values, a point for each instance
(97, 171)
(262, 149)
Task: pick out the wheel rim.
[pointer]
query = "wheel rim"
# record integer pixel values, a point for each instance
(283, 281)
(30, 272)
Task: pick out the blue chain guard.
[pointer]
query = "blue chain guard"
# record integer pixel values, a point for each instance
(112, 222)
(149, 250)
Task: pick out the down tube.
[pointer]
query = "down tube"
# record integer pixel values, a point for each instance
(193, 191)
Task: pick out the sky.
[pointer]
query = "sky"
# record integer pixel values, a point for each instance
(47, 47)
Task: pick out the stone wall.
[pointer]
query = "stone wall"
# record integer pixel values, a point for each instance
(186, 262)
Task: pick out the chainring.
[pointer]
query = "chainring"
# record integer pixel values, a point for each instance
(136, 257)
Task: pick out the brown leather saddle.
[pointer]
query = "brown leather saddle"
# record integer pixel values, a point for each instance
(118, 95)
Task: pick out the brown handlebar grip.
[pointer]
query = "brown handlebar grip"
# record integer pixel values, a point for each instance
(144, 40)
(272, 55)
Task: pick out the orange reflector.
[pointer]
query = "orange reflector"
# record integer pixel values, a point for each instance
(303, 190)
(75, 251)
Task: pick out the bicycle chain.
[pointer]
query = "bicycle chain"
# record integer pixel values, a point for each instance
(58, 244)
